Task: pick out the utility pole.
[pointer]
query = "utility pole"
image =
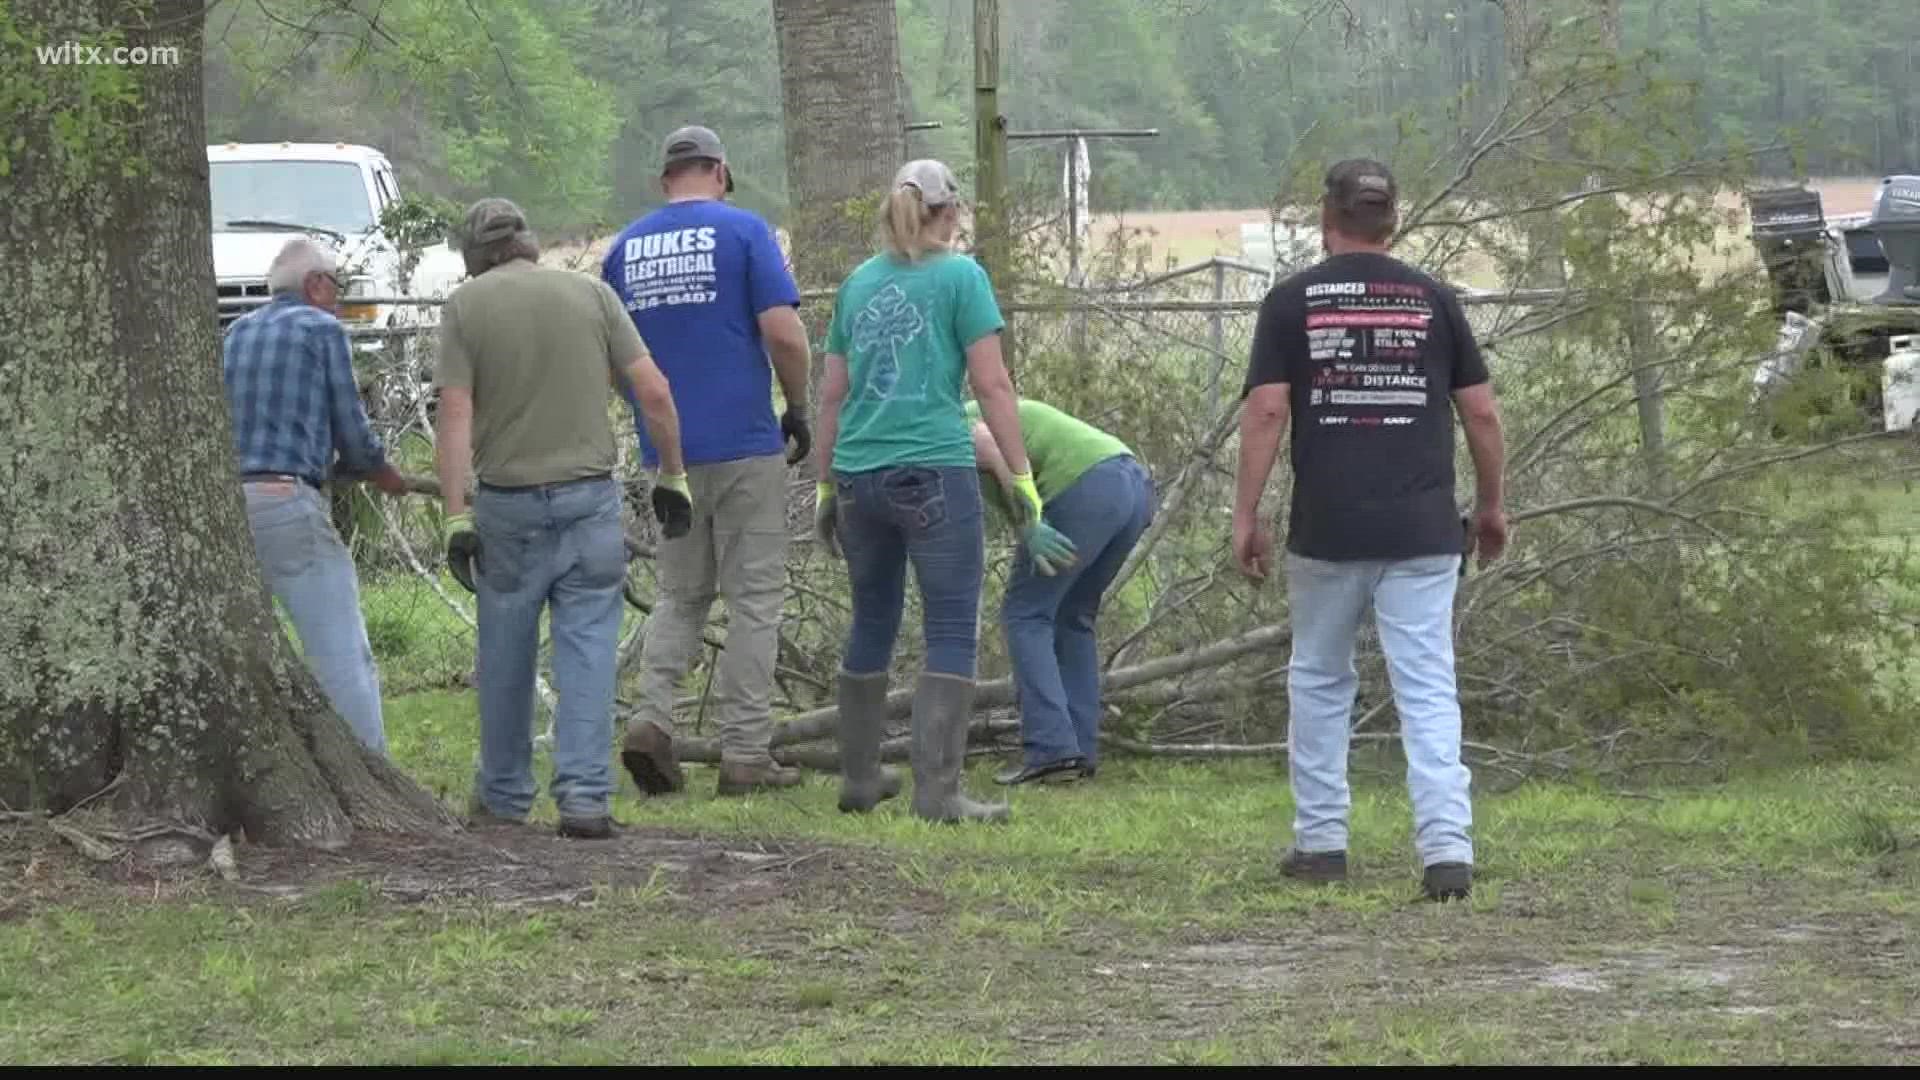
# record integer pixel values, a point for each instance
(989, 140)
(1076, 140)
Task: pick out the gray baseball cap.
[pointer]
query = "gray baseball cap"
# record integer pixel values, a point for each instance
(695, 143)
(492, 219)
(936, 183)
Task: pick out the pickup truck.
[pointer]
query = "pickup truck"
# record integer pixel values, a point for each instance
(267, 193)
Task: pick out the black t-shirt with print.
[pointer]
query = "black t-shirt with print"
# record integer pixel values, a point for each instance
(1371, 350)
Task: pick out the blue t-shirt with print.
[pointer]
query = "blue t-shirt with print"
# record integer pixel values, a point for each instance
(904, 329)
(695, 277)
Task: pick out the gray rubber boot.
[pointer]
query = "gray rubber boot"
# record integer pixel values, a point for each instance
(862, 720)
(942, 708)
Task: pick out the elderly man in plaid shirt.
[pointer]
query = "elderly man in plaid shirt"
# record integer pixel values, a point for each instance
(295, 405)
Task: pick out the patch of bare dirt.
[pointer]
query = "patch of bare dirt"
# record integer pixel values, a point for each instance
(516, 866)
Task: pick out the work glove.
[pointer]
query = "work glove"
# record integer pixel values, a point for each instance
(1026, 501)
(463, 549)
(793, 426)
(826, 524)
(673, 505)
(1049, 548)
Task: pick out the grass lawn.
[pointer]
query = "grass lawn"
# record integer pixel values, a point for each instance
(1756, 916)
(1761, 918)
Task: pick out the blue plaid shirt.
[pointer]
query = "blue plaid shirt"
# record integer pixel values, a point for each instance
(292, 394)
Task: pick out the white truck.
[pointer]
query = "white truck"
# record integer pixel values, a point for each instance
(267, 193)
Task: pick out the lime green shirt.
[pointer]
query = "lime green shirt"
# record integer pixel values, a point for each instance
(904, 329)
(1060, 449)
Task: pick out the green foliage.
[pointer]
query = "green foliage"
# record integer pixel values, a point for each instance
(563, 106)
(88, 107)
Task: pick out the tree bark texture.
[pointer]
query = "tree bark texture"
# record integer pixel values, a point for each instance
(138, 640)
(1529, 27)
(845, 127)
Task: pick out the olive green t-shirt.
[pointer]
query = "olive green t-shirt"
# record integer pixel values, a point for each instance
(540, 348)
(1060, 448)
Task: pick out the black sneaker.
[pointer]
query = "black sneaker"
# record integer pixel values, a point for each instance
(1316, 866)
(1064, 771)
(1448, 881)
(587, 828)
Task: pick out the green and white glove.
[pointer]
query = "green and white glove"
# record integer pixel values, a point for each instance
(463, 549)
(826, 524)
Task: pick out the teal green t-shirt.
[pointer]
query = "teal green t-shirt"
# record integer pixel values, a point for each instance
(904, 329)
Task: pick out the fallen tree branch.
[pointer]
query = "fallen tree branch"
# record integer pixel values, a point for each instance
(1176, 497)
(1617, 501)
(826, 757)
(1000, 692)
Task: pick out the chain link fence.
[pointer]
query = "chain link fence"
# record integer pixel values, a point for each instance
(1160, 363)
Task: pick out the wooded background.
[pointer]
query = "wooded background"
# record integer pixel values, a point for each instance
(563, 105)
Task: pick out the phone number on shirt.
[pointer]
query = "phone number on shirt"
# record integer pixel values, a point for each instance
(646, 302)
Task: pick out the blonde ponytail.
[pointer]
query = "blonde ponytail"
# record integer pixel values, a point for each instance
(905, 223)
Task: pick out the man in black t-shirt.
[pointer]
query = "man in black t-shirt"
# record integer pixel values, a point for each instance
(1370, 359)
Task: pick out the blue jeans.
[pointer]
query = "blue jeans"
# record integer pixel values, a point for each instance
(1050, 620)
(1412, 601)
(311, 573)
(932, 518)
(558, 548)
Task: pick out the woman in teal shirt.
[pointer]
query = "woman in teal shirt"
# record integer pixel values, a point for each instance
(898, 485)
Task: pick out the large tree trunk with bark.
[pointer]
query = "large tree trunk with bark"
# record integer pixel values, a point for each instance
(139, 643)
(845, 125)
(1529, 26)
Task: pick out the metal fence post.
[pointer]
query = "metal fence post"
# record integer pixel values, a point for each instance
(1649, 393)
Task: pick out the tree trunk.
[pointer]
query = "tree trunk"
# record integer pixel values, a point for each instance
(1529, 31)
(845, 124)
(140, 644)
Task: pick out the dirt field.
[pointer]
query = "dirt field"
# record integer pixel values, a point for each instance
(1192, 235)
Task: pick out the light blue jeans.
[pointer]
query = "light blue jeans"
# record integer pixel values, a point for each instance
(1412, 601)
(311, 573)
(557, 548)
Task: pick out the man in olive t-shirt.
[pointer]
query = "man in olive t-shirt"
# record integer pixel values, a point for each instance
(529, 361)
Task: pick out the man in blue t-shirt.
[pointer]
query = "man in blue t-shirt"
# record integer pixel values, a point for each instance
(708, 288)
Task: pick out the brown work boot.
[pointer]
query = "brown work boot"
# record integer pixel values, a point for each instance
(740, 779)
(648, 755)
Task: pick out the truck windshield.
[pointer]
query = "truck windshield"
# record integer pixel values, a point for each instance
(327, 194)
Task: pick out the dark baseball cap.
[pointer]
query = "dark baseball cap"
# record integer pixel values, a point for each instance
(492, 219)
(695, 143)
(1360, 182)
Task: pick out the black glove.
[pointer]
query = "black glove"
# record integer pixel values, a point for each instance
(673, 505)
(793, 425)
(463, 549)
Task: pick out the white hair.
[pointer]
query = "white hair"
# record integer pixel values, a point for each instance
(300, 257)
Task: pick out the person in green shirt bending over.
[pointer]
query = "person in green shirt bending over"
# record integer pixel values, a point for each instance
(1099, 497)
